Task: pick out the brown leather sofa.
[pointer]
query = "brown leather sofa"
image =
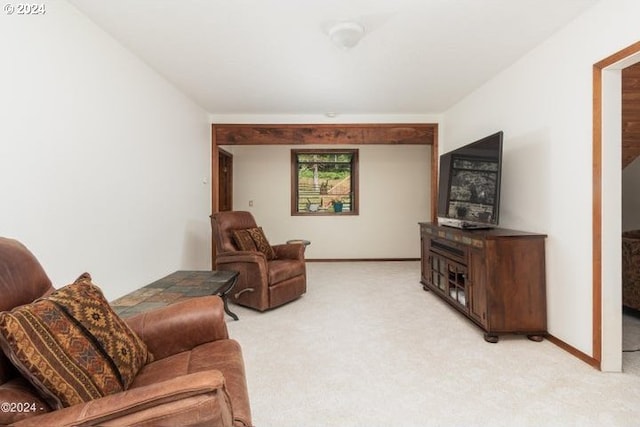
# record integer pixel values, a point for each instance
(263, 283)
(197, 377)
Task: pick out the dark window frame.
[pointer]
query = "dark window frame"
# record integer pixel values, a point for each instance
(355, 193)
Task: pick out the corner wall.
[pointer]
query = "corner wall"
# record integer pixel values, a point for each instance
(102, 162)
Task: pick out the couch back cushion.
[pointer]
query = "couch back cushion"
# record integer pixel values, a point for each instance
(223, 225)
(22, 280)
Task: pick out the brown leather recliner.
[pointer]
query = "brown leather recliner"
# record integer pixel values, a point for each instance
(197, 377)
(263, 284)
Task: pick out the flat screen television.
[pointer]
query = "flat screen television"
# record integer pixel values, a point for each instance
(469, 184)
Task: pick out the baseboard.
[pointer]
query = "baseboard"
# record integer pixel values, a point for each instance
(359, 259)
(574, 351)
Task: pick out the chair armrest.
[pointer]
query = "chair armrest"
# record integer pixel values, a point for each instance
(174, 402)
(289, 251)
(240, 256)
(181, 326)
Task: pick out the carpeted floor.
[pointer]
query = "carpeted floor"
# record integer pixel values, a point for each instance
(366, 346)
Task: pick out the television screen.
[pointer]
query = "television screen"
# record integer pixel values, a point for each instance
(469, 184)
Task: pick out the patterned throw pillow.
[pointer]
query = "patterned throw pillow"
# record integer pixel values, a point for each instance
(71, 345)
(254, 240)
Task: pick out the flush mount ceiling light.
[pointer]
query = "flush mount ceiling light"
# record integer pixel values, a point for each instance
(346, 34)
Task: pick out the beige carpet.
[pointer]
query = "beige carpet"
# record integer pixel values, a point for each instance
(366, 346)
(631, 344)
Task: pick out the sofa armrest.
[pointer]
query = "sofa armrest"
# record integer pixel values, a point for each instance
(183, 400)
(181, 326)
(289, 251)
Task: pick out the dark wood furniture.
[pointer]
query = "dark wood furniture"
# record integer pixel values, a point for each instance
(495, 277)
(177, 286)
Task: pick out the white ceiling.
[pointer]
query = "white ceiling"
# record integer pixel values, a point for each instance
(274, 56)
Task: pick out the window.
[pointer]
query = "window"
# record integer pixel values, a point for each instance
(324, 182)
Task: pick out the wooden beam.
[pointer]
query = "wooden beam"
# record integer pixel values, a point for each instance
(237, 134)
(435, 161)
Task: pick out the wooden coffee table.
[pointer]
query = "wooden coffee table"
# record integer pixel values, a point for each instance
(178, 286)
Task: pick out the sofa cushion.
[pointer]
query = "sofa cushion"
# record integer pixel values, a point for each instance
(223, 355)
(71, 345)
(253, 239)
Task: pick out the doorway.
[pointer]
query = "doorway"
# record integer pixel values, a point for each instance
(630, 219)
(607, 211)
(225, 180)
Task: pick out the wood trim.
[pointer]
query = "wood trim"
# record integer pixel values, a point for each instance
(360, 259)
(596, 213)
(434, 176)
(618, 56)
(597, 195)
(214, 172)
(239, 134)
(355, 179)
(574, 351)
(214, 190)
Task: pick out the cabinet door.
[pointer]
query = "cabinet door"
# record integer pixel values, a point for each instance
(457, 284)
(477, 287)
(439, 272)
(424, 256)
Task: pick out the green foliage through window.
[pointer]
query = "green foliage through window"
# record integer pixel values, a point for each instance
(324, 182)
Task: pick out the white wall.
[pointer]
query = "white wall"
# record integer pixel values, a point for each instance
(544, 105)
(394, 197)
(101, 161)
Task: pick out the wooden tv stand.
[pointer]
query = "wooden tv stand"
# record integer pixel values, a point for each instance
(495, 277)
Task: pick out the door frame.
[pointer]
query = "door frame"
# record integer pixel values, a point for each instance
(606, 208)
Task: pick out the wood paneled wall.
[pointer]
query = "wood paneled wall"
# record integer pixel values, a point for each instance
(630, 114)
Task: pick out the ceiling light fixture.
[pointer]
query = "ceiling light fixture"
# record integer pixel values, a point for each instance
(346, 34)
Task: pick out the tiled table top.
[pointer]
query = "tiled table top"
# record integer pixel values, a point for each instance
(178, 286)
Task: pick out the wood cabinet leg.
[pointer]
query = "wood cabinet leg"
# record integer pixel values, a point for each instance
(536, 338)
(491, 338)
